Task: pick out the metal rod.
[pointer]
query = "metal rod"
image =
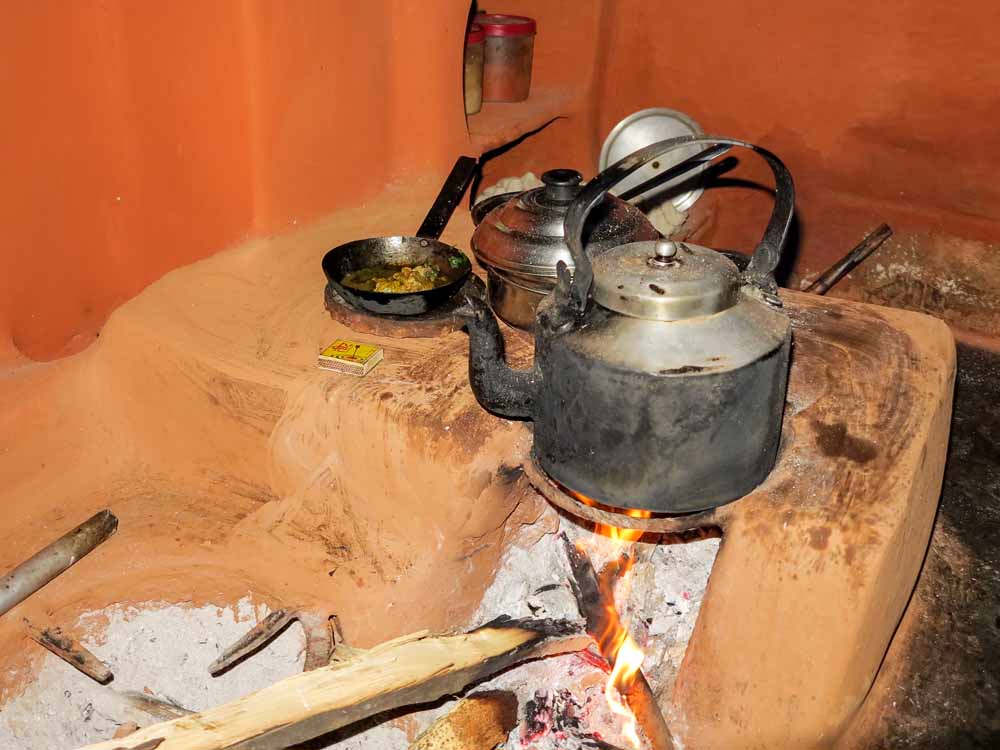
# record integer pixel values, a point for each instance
(872, 242)
(45, 565)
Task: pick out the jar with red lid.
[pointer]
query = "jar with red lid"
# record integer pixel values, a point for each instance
(475, 55)
(510, 43)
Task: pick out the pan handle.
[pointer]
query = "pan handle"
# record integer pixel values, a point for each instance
(449, 197)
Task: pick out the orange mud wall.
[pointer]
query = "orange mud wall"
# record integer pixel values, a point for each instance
(884, 111)
(140, 137)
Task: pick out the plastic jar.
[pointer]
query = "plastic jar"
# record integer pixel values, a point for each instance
(475, 43)
(510, 43)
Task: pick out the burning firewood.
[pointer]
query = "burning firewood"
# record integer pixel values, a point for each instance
(595, 598)
(414, 669)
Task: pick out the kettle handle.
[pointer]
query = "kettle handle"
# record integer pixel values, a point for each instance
(765, 257)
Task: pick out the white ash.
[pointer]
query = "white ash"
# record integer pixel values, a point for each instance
(164, 650)
(664, 592)
(160, 649)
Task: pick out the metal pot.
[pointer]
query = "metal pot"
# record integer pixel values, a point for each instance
(521, 241)
(660, 368)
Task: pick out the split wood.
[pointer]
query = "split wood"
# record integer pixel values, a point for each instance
(596, 601)
(70, 651)
(479, 722)
(414, 669)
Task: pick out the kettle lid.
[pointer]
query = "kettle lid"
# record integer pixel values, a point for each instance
(665, 280)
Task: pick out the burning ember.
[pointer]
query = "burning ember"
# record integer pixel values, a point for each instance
(633, 594)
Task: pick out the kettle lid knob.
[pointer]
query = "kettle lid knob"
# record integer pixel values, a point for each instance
(664, 252)
(561, 184)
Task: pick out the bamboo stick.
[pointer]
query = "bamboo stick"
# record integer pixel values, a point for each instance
(46, 564)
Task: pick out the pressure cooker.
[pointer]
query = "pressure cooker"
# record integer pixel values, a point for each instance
(521, 241)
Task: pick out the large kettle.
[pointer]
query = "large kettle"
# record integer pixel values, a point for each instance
(660, 368)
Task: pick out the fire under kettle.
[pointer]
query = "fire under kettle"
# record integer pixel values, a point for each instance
(660, 368)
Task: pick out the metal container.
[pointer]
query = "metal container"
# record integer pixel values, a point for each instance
(639, 130)
(660, 368)
(521, 241)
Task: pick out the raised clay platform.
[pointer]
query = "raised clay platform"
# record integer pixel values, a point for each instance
(236, 466)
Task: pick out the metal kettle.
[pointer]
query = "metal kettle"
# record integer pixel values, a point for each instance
(660, 368)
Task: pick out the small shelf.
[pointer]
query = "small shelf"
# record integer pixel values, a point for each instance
(498, 123)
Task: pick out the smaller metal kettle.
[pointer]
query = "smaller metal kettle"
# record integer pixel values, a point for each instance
(521, 241)
(660, 367)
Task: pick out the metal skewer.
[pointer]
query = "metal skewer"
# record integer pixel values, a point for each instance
(872, 242)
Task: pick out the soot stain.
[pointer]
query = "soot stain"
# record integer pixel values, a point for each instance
(508, 474)
(682, 370)
(834, 441)
(819, 537)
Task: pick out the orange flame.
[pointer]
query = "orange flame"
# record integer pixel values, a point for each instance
(628, 656)
(627, 663)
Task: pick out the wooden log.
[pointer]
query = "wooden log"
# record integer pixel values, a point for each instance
(70, 651)
(479, 722)
(595, 598)
(410, 670)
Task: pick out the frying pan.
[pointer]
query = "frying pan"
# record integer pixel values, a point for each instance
(408, 251)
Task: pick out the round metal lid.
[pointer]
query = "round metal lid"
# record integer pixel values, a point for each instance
(641, 129)
(664, 280)
(526, 234)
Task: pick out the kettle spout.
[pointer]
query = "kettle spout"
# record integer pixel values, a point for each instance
(498, 387)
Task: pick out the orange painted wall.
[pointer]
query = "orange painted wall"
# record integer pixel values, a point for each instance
(143, 136)
(883, 110)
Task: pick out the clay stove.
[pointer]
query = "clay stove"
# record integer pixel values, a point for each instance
(397, 493)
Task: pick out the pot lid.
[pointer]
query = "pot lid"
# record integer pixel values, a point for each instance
(664, 280)
(526, 234)
(501, 24)
(641, 129)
